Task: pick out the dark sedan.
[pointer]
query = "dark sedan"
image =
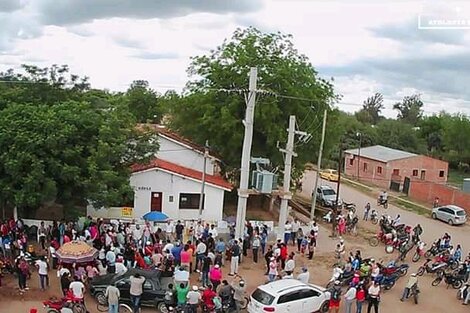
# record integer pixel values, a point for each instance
(153, 296)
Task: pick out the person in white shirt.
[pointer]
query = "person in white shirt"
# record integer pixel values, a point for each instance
(43, 267)
(349, 298)
(168, 247)
(169, 229)
(287, 231)
(181, 276)
(120, 268)
(294, 230)
(374, 297)
(137, 234)
(213, 231)
(304, 276)
(78, 288)
(290, 264)
(200, 253)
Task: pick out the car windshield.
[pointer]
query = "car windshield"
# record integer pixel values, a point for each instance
(329, 192)
(460, 213)
(262, 297)
(334, 172)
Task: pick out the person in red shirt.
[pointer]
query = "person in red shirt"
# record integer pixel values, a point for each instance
(208, 296)
(360, 297)
(283, 255)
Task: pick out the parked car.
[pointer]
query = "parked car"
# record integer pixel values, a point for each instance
(451, 214)
(329, 174)
(153, 296)
(327, 196)
(289, 295)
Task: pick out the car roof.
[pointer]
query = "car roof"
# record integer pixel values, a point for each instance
(326, 187)
(452, 207)
(285, 285)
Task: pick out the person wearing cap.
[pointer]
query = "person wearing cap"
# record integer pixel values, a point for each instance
(413, 280)
(349, 298)
(193, 297)
(304, 276)
(374, 297)
(238, 292)
(215, 276)
(335, 297)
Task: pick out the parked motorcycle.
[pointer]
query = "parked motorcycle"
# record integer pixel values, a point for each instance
(328, 217)
(456, 281)
(419, 251)
(349, 206)
(401, 269)
(387, 282)
(374, 217)
(428, 267)
(344, 278)
(434, 250)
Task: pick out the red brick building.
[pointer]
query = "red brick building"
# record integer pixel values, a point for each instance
(391, 168)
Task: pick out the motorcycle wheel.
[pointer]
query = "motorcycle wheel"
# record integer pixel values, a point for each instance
(428, 254)
(436, 281)
(389, 249)
(390, 286)
(457, 284)
(374, 221)
(403, 272)
(420, 271)
(416, 257)
(374, 241)
(454, 265)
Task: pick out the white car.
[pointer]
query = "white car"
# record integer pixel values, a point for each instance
(289, 295)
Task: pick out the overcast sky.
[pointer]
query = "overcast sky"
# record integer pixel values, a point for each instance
(368, 46)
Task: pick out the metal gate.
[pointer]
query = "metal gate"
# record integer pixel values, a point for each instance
(406, 185)
(395, 186)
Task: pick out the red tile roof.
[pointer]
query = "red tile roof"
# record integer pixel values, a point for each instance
(183, 171)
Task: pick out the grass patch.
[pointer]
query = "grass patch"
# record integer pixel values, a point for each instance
(359, 187)
(404, 203)
(456, 177)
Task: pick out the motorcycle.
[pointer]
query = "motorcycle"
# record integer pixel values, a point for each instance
(387, 282)
(350, 206)
(55, 305)
(434, 250)
(351, 226)
(456, 281)
(344, 278)
(392, 269)
(374, 217)
(427, 267)
(419, 252)
(327, 217)
(382, 202)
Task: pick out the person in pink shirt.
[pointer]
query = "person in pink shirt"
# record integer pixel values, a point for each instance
(215, 276)
(185, 257)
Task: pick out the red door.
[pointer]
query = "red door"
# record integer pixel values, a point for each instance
(156, 202)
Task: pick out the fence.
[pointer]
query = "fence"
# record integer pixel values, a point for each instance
(427, 191)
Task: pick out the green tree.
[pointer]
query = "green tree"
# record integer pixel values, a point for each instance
(371, 109)
(398, 135)
(143, 102)
(410, 109)
(431, 130)
(456, 140)
(214, 106)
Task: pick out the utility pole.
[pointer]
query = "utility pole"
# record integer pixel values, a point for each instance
(335, 206)
(314, 191)
(203, 185)
(246, 154)
(286, 194)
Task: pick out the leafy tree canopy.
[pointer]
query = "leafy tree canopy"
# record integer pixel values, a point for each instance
(206, 112)
(410, 109)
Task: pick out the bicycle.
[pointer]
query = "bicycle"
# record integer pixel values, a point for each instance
(123, 308)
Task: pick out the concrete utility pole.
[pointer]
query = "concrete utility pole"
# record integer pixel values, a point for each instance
(203, 185)
(286, 194)
(314, 191)
(246, 154)
(359, 153)
(335, 206)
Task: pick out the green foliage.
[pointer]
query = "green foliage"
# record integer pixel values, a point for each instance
(398, 135)
(206, 113)
(143, 102)
(410, 109)
(69, 146)
(371, 109)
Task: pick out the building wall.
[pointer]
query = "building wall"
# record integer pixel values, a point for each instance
(371, 171)
(176, 153)
(146, 182)
(380, 173)
(431, 167)
(427, 191)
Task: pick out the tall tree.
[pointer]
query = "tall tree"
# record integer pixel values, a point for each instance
(143, 102)
(371, 109)
(211, 112)
(398, 135)
(410, 109)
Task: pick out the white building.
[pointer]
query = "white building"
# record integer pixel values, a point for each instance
(171, 183)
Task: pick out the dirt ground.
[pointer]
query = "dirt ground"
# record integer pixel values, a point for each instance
(433, 299)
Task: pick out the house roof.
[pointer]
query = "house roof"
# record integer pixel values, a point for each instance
(215, 180)
(165, 132)
(381, 153)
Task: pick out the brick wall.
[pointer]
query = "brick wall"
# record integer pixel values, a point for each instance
(427, 191)
(372, 171)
